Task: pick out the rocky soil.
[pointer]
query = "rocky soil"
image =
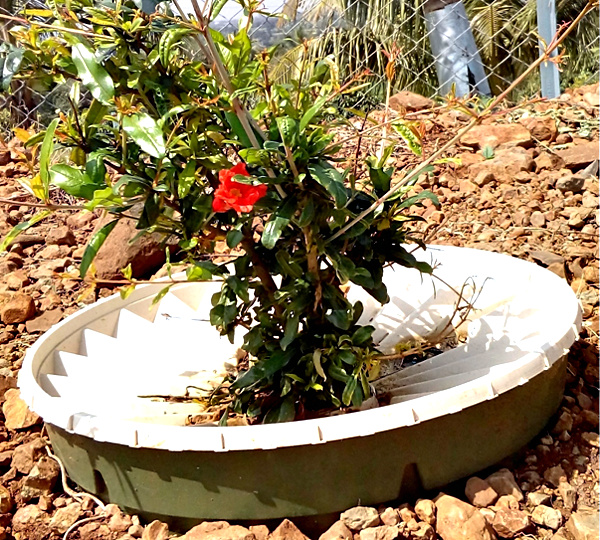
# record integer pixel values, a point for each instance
(526, 184)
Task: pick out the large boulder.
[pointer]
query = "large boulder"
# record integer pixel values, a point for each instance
(497, 134)
(145, 254)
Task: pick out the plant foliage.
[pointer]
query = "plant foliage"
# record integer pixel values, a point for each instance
(204, 148)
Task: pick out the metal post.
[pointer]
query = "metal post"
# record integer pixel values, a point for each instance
(546, 19)
(457, 58)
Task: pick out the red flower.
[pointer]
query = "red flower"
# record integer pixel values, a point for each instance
(231, 194)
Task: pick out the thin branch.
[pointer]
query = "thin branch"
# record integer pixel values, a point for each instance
(545, 57)
(212, 54)
(53, 27)
(43, 205)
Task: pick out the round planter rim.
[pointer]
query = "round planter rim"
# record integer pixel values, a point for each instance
(65, 414)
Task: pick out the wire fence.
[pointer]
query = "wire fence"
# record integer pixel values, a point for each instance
(434, 46)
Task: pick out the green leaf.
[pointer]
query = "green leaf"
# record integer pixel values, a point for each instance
(94, 116)
(362, 335)
(94, 245)
(10, 62)
(422, 195)
(146, 133)
(291, 331)
(381, 178)
(161, 294)
(340, 318)
(316, 358)
(309, 115)
(248, 378)
(95, 169)
(285, 412)
(408, 260)
(288, 129)
(45, 152)
(409, 180)
(104, 198)
(288, 267)
(412, 141)
(217, 6)
(337, 373)
(124, 292)
(348, 393)
(170, 38)
(256, 157)
(273, 230)
(276, 362)
(278, 221)
(21, 227)
(362, 277)
(233, 238)
(238, 129)
(150, 212)
(308, 214)
(186, 179)
(347, 357)
(74, 181)
(331, 180)
(487, 151)
(202, 271)
(239, 287)
(91, 73)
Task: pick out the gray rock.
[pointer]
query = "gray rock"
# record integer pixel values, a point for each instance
(25, 455)
(554, 475)
(199, 530)
(547, 517)
(561, 534)
(383, 532)
(406, 513)
(61, 236)
(425, 510)
(572, 182)
(425, 531)
(338, 531)
(583, 524)
(157, 530)
(64, 517)
(503, 482)
(16, 413)
(564, 423)
(29, 516)
(479, 492)
(489, 514)
(119, 522)
(260, 532)
(509, 523)
(6, 500)
(537, 497)
(568, 494)
(360, 517)
(287, 530)
(41, 479)
(390, 516)
(591, 438)
(458, 520)
(507, 501)
(409, 101)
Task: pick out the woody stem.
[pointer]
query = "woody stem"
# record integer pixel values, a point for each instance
(261, 271)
